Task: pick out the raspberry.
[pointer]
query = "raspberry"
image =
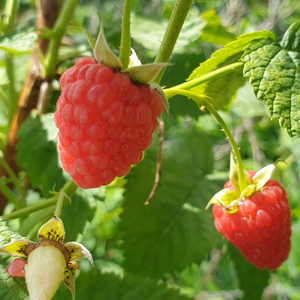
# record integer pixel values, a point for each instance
(105, 122)
(261, 227)
(16, 268)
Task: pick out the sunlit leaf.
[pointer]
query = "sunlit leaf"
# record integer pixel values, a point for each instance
(214, 32)
(224, 88)
(274, 74)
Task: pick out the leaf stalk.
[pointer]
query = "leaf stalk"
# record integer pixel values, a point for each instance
(202, 101)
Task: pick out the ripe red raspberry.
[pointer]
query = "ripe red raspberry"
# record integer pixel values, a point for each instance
(105, 122)
(261, 227)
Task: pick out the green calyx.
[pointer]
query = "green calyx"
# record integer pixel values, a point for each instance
(230, 198)
(142, 74)
(139, 73)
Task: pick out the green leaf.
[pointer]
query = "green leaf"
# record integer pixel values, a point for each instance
(10, 287)
(251, 279)
(214, 32)
(97, 286)
(291, 39)
(174, 230)
(18, 42)
(275, 78)
(149, 31)
(224, 88)
(38, 153)
(76, 215)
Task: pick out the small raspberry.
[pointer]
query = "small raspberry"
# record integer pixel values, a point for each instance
(261, 227)
(105, 122)
(16, 268)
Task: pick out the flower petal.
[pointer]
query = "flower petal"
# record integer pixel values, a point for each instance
(53, 230)
(70, 280)
(78, 251)
(16, 247)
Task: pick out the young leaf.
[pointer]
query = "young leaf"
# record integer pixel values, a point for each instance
(214, 32)
(38, 154)
(10, 287)
(222, 90)
(109, 286)
(254, 287)
(174, 230)
(274, 74)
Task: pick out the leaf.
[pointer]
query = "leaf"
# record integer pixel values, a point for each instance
(109, 286)
(275, 78)
(10, 287)
(76, 215)
(149, 31)
(174, 230)
(224, 88)
(214, 32)
(251, 279)
(38, 154)
(18, 42)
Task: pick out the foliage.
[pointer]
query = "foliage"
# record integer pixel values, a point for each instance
(168, 249)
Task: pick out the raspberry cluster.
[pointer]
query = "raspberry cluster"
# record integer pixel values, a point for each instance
(105, 122)
(261, 228)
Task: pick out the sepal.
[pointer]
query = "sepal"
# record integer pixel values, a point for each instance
(16, 247)
(69, 280)
(145, 73)
(53, 230)
(91, 40)
(78, 251)
(102, 52)
(158, 88)
(224, 197)
(263, 176)
(133, 59)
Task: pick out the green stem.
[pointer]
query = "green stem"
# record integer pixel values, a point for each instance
(9, 16)
(51, 59)
(202, 101)
(13, 177)
(210, 76)
(178, 16)
(69, 188)
(59, 204)
(13, 95)
(125, 36)
(9, 194)
(23, 212)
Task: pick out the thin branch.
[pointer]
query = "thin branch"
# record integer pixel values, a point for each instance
(158, 172)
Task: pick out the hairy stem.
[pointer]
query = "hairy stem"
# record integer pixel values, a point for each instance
(125, 36)
(59, 204)
(202, 101)
(9, 16)
(13, 95)
(13, 177)
(180, 11)
(69, 189)
(51, 59)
